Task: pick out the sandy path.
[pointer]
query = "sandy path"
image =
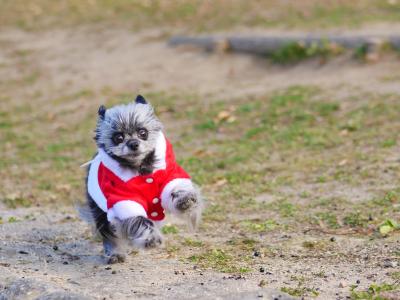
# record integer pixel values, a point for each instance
(49, 253)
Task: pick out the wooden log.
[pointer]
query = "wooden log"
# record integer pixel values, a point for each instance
(264, 45)
(207, 43)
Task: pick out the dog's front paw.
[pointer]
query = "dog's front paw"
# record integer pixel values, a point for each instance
(116, 258)
(153, 239)
(184, 200)
(143, 233)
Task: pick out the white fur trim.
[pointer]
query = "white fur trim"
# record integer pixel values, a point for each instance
(126, 174)
(166, 197)
(125, 209)
(161, 150)
(93, 184)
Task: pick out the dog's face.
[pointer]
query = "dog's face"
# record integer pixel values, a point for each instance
(128, 133)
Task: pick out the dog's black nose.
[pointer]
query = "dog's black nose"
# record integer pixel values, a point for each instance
(133, 144)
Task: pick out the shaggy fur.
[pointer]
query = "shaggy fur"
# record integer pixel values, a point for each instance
(128, 134)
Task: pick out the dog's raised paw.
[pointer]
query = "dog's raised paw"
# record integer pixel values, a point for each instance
(184, 200)
(149, 238)
(143, 233)
(153, 241)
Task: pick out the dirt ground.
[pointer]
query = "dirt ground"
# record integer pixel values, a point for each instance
(55, 80)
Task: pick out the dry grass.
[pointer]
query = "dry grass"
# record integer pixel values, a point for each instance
(196, 15)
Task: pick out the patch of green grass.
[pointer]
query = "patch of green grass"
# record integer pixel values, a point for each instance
(291, 117)
(373, 292)
(389, 143)
(300, 291)
(314, 245)
(12, 220)
(395, 275)
(388, 200)
(172, 250)
(245, 244)
(16, 201)
(294, 52)
(388, 226)
(327, 218)
(320, 274)
(169, 229)
(286, 209)
(355, 219)
(263, 226)
(207, 125)
(219, 260)
(361, 52)
(192, 243)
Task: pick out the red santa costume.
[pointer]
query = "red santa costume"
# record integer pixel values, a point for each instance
(123, 193)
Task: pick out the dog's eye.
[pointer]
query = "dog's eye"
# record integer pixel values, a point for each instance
(118, 138)
(142, 133)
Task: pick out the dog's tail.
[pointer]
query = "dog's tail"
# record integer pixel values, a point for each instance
(85, 213)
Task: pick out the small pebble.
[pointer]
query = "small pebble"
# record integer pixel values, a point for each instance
(268, 273)
(262, 283)
(55, 247)
(358, 281)
(114, 272)
(256, 253)
(332, 239)
(342, 284)
(389, 264)
(262, 270)
(65, 263)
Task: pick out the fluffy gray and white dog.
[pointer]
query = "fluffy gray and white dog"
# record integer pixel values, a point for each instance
(132, 146)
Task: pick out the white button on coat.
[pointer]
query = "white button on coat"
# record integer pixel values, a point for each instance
(149, 180)
(154, 214)
(155, 200)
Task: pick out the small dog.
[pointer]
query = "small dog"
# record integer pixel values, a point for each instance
(134, 179)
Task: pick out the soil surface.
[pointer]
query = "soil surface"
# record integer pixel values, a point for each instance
(47, 252)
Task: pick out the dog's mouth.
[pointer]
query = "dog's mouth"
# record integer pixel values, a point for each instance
(133, 157)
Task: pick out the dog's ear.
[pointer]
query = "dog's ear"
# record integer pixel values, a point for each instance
(140, 100)
(102, 111)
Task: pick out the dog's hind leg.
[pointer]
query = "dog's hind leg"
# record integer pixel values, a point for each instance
(111, 245)
(111, 250)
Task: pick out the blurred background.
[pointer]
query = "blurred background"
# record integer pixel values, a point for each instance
(296, 150)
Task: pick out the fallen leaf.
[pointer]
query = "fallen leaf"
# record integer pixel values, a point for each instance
(221, 182)
(385, 229)
(223, 116)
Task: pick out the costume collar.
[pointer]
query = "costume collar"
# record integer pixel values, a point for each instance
(126, 174)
